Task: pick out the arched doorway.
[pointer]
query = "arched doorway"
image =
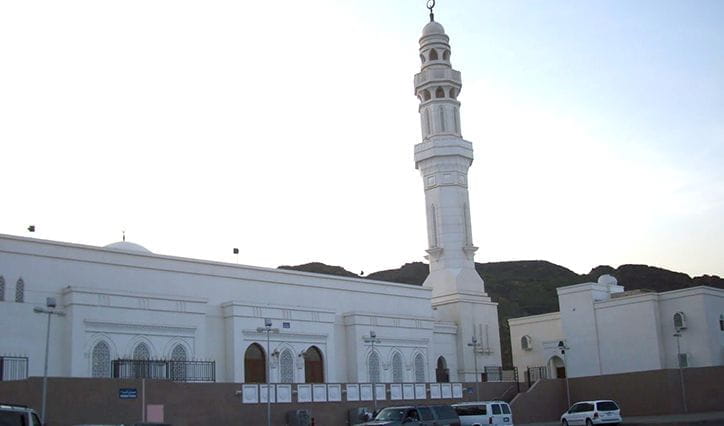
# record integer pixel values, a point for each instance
(313, 365)
(254, 364)
(442, 374)
(556, 368)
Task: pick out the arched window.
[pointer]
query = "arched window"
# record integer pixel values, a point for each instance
(526, 343)
(178, 363)
(2, 288)
(397, 368)
(254, 364)
(721, 322)
(422, 58)
(433, 55)
(442, 374)
(446, 55)
(373, 367)
(419, 369)
(20, 291)
(679, 321)
(101, 360)
(439, 92)
(286, 367)
(425, 95)
(453, 93)
(313, 365)
(141, 352)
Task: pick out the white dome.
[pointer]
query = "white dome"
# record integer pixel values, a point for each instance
(128, 246)
(607, 280)
(432, 28)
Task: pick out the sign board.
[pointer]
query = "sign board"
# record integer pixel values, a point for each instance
(127, 393)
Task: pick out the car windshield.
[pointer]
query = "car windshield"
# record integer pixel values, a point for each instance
(606, 406)
(391, 414)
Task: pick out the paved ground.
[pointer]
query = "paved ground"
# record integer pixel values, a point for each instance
(693, 419)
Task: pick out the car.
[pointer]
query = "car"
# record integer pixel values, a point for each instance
(598, 412)
(13, 414)
(484, 413)
(417, 415)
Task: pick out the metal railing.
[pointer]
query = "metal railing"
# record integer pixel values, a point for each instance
(533, 374)
(178, 371)
(13, 368)
(500, 374)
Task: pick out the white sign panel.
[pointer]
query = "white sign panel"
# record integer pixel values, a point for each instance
(250, 394)
(395, 391)
(434, 390)
(304, 393)
(334, 392)
(352, 392)
(408, 391)
(420, 391)
(381, 394)
(446, 390)
(284, 393)
(263, 393)
(365, 392)
(319, 392)
(457, 390)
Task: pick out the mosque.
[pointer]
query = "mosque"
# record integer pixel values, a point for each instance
(128, 312)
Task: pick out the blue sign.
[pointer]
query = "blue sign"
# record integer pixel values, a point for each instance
(127, 393)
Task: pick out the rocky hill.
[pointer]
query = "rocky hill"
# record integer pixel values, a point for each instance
(528, 287)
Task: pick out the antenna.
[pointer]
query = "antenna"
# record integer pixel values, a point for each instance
(124, 234)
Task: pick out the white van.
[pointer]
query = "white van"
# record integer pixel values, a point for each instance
(484, 413)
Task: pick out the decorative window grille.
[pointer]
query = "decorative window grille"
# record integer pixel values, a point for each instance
(526, 343)
(101, 360)
(396, 368)
(20, 291)
(2, 288)
(141, 352)
(679, 321)
(178, 363)
(373, 366)
(419, 369)
(286, 367)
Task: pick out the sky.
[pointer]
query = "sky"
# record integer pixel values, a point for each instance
(287, 129)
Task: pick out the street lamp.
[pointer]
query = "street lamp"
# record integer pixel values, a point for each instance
(681, 371)
(562, 347)
(50, 310)
(268, 330)
(372, 339)
(474, 344)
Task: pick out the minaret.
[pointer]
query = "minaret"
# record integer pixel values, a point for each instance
(443, 158)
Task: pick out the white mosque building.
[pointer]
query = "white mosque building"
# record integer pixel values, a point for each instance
(128, 311)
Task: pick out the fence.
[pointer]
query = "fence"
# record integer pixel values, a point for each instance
(499, 374)
(533, 374)
(13, 368)
(178, 371)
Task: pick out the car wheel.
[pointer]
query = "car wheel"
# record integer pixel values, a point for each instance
(589, 422)
(565, 422)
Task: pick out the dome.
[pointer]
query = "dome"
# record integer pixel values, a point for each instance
(607, 280)
(128, 246)
(432, 28)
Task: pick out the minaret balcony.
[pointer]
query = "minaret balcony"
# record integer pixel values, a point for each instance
(437, 75)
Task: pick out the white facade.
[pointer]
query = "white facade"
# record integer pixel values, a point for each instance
(605, 330)
(124, 302)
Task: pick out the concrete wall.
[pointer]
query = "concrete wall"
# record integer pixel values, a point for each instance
(82, 401)
(545, 332)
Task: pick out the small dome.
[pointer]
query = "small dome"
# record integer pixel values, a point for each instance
(128, 246)
(432, 28)
(607, 280)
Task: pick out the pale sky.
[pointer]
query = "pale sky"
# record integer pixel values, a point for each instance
(287, 128)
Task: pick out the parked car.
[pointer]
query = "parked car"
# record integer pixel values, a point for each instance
(484, 413)
(418, 415)
(599, 412)
(18, 415)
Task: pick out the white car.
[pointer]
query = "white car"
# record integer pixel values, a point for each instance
(484, 413)
(599, 412)
(18, 415)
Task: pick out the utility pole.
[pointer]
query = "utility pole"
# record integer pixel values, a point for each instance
(268, 330)
(372, 339)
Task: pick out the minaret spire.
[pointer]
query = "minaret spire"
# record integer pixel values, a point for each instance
(430, 6)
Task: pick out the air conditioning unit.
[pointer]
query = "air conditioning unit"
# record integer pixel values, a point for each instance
(684, 360)
(679, 321)
(526, 343)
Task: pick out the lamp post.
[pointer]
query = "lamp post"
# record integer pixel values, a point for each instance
(681, 371)
(474, 344)
(372, 339)
(268, 330)
(562, 347)
(50, 310)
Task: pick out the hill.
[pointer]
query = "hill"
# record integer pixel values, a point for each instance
(528, 287)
